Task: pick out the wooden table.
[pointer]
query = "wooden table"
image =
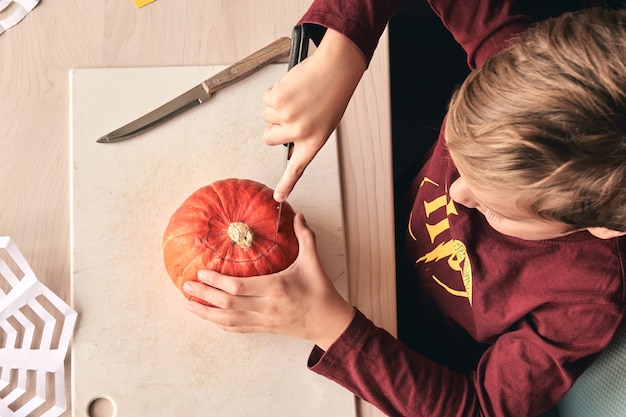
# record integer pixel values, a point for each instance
(37, 54)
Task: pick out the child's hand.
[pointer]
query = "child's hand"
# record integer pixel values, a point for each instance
(300, 301)
(306, 105)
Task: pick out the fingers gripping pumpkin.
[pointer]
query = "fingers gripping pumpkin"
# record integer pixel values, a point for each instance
(229, 227)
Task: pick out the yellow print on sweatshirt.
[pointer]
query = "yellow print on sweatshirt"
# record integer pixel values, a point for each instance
(453, 250)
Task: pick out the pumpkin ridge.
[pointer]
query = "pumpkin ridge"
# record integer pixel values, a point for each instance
(223, 206)
(189, 265)
(217, 255)
(225, 258)
(251, 209)
(250, 259)
(177, 235)
(259, 255)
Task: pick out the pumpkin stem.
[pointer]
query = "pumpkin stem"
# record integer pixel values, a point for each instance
(241, 234)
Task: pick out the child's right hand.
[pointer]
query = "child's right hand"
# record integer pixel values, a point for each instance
(306, 105)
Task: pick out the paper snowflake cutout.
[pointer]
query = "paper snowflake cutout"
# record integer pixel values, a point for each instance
(35, 331)
(21, 10)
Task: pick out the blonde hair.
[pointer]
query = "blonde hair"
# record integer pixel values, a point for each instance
(546, 119)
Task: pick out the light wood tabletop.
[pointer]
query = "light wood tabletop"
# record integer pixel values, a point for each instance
(35, 59)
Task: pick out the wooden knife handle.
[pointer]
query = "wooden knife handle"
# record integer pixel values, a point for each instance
(250, 64)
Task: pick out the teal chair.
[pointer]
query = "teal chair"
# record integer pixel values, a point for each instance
(601, 390)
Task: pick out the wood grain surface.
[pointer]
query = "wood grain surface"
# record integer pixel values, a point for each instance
(37, 55)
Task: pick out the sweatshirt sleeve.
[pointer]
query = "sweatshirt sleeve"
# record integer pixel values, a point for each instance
(363, 21)
(522, 374)
(375, 366)
(482, 28)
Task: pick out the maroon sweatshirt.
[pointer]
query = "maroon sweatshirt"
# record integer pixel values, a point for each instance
(507, 324)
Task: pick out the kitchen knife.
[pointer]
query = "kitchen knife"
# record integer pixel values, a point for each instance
(201, 92)
(299, 51)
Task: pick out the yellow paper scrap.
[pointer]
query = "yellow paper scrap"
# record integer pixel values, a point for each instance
(141, 3)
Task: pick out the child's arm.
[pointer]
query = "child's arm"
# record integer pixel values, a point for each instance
(522, 374)
(306, 105)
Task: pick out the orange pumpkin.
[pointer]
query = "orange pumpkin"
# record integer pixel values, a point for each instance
(230, 227)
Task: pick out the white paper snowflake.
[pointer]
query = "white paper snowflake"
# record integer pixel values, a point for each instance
(35, 331)
(21, 9)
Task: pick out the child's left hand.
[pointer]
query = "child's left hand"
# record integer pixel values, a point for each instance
(300, 301)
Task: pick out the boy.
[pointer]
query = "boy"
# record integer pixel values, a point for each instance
(515, 230)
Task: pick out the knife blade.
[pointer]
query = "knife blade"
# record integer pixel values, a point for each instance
(280, 205)
(201, 92)
(298, 52)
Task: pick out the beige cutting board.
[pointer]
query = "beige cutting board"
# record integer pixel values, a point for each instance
(135, 342)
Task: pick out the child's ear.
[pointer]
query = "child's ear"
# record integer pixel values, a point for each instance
(604, 233)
